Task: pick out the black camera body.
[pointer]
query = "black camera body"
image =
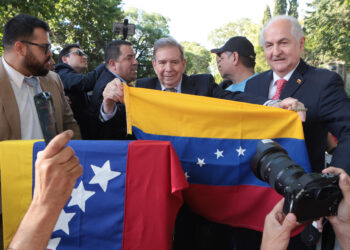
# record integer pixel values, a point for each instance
(308, 195)
(46, 114)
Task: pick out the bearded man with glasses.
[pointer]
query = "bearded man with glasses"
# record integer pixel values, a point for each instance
(27, 54)
(72, 62)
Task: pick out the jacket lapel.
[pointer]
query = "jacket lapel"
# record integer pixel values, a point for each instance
(295, 81)
(9, 104)
(264, 86)
(187, 85)
(158, 86)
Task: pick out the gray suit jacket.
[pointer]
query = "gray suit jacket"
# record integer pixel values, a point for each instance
(10, 125)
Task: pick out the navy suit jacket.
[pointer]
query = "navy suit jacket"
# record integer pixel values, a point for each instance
(322, 92)
(203, 85)
(115, 128)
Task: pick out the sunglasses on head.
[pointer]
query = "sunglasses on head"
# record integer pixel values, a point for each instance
(46, 46)
(76, 52)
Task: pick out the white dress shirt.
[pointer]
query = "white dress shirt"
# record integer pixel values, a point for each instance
(30, 125)
(273, 84)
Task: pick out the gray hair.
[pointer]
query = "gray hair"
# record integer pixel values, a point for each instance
(167, 42)
(295, 29)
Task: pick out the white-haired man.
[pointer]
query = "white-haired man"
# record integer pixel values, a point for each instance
(321, 91)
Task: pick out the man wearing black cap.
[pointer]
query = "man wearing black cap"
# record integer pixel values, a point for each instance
(236, 61)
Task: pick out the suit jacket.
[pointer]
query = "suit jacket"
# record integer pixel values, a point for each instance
(10, 125)
(203, 85)
(115, 128)
(322, 92)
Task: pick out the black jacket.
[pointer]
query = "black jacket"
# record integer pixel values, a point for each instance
(76, 86)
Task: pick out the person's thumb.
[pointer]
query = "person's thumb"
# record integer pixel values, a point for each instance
(289, 223)
(344, 184)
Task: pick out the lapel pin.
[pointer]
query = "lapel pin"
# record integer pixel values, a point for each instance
(298, 81)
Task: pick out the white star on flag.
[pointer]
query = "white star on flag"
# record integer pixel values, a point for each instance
(103, 175)
(240, 151)
(219, 153)
(200, 162)
(53, 243)
(63, 220)
(186, 175)
(80, 196)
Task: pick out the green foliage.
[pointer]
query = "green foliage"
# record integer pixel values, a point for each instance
(328, 32)
(280, 7)
(197, 57)
(243, 27)
(213, 68)
(293, 8)
(267, 15)
(86, 22)
(10, 8)
(149, 28)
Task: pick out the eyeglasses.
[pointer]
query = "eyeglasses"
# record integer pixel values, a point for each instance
(46, 46)
(76, 52)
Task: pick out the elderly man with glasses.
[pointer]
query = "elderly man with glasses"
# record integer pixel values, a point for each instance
(72, 63)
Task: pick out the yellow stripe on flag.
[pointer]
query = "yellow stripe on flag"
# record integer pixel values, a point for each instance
(16, 183)
(174, 114)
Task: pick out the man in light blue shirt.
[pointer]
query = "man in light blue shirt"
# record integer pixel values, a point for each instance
(236, 62)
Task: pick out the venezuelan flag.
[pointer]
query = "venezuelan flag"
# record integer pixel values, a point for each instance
(125, 199)
(215, 140)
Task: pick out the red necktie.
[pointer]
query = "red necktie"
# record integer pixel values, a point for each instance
(280, 85)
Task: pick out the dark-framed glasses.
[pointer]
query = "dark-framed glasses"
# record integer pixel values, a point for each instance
(76, 52)
(46, 46)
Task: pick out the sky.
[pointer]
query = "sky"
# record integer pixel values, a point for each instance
(193, 20)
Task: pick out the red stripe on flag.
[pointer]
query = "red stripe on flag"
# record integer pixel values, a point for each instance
(238, 206)
(153, 195)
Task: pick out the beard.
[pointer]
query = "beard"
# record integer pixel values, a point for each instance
(35, 67)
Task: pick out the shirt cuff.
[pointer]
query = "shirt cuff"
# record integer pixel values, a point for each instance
(271, 102)
(107, 117)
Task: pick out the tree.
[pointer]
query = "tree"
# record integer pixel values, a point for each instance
(149, 28)
(293, 8)
(280, 7)
(327, 31)
(197, 57)
(267, 15)
(86, 22)
(243, 27)
(10, 8)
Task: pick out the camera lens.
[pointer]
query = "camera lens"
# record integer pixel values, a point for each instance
(272, 164)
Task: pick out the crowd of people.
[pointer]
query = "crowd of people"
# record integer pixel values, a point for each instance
(26, 69)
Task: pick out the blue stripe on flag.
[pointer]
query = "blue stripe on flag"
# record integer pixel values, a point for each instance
(101, 224)
(223, 162)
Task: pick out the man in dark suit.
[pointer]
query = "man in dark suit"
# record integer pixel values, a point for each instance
(191, 230)
(321, 91)
(120, 63)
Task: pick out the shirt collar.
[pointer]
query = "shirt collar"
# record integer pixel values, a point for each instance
(117, 76)
(286, 77)
(14, 76)
(178, 87)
